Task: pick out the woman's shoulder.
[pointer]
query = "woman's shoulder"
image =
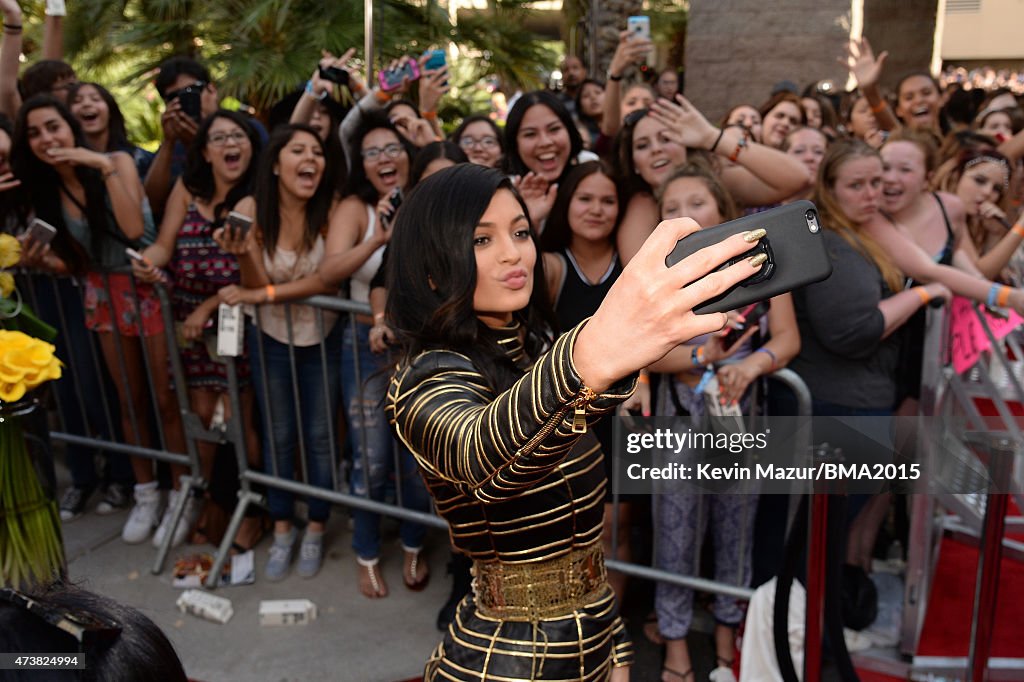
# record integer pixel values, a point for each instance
(431, 365)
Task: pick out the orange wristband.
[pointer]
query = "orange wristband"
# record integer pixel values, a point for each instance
(923, 293)
(1003, 297)
(382, 97)
(270, 293)
(879, 108)
(430, 115)
(1018, 230)
(644, 379)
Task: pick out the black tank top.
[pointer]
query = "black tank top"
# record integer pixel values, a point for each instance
(578, 299)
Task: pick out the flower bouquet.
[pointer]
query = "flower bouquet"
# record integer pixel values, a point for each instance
(31, 551)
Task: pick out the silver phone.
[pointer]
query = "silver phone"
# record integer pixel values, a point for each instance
(41, 231)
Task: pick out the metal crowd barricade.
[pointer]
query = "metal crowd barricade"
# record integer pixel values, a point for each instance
(51, 297)
(786, 377)
(335, 494)
(979, 516)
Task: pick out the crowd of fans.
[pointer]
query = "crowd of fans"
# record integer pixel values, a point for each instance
(918, 191)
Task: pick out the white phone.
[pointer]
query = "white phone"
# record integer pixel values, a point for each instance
(240, 223)
(640, 27)
(41, 231)
(135, 255)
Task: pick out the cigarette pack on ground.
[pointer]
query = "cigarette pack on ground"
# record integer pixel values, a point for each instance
(191, 570)
(287, 612)
(205, 605)
(229, 330)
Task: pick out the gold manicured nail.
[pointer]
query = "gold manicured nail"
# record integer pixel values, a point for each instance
(754, 235)
(758, 260)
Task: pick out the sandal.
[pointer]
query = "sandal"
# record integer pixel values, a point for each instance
(676, 673)
(371, 582)
(415, 574)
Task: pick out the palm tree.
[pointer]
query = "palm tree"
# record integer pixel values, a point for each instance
(259, 50)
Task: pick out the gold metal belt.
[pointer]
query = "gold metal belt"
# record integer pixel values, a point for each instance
(543, 590)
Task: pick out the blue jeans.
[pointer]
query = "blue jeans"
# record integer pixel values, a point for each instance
(286, 422)
(81, 390)
(374, 446)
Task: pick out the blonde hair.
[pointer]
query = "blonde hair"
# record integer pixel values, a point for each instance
(835, 219)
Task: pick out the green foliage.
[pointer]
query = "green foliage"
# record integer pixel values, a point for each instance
(259, 50)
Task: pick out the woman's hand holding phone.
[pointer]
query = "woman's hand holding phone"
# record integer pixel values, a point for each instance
(649, 309)
(230, 241)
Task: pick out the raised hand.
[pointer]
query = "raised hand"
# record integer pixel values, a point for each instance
(865, 68)
(694, 130)
(538, 195)
(630, 50)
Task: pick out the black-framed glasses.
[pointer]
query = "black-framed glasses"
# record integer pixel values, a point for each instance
(89, 629)
(390, 151)
(487, 142)
(221, 139)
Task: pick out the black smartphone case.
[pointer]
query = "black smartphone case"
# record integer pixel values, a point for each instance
(794, 245)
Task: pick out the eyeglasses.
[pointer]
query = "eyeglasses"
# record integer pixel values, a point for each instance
(391, 151)
(221, 139)
(89, 629)
(487, 142)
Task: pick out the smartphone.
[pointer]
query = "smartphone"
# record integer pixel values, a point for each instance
(392, 79)
(395, 200)
(639, 27)
(188, 99)
(436, 59)
(135, 255)
(239, 223)
(751, 316)
(794, 246)
(41, 231)
(334, 74)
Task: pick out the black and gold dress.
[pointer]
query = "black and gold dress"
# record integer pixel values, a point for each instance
(521, 483)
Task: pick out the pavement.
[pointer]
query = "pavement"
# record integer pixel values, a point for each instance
(353, 639)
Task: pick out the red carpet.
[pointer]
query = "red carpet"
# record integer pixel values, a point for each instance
(947, 627)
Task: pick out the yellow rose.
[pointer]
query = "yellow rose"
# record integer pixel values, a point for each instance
(10, 251)
(6, 284)
(25, 362)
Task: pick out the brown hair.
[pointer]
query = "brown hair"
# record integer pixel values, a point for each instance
(949, 174)
(834, 218)
(702, 171)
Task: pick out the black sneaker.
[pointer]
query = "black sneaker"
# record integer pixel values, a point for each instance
(117, 497)
(72, 504)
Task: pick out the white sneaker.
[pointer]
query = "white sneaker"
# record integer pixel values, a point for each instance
(188, 519)
(722, 674)
(143, 517)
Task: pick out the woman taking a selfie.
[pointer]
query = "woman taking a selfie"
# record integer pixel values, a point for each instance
(498, 416)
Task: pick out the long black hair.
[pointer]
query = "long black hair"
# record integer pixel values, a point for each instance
(198, 175)
(513, 161)
(431, 274)
(42, 187)
(117, 135)
(268, 192)
(557, 234)
(358, 182)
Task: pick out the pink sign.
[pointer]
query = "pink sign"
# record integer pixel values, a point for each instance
(968, 339)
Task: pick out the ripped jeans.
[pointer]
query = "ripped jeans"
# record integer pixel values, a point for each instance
(374, 446)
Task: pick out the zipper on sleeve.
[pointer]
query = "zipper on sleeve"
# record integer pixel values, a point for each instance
(579, 417)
